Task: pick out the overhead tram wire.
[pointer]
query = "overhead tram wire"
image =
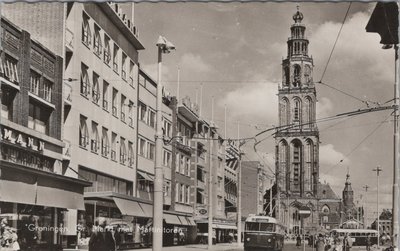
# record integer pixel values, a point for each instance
(358, 145)
(337, 38)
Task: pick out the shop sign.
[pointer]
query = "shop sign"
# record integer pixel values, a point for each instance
(20, 139)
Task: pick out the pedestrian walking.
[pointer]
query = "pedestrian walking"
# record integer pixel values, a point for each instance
(101, 238)
(8, 236)
(298, 241)
(320, 243)
(231, 237)
(368, 243)
(347, 243)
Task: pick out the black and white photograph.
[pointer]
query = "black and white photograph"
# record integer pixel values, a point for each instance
(199, 125)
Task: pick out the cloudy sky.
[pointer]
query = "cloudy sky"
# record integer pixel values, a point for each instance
(235, 50)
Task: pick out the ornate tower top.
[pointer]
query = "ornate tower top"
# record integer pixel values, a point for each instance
(298, 16)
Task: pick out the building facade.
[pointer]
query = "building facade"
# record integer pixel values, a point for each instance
(35, 188)
(297, 138)
(254, 182)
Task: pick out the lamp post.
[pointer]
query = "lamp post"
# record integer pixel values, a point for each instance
(164, 46)
(377, 170)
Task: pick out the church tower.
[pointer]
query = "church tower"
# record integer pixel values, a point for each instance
(297, 137)
(348, 198)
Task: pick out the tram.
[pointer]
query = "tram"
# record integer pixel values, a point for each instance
(263, 233)
(359, 236)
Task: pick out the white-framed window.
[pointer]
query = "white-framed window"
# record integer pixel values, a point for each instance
(166, 188)
(113, 146)
(38, 118)
(86, 32)
(131, 73)
(105, 95)
(151, 150)
(177, 168)
(95, 139)
(325, 219)
(131, 154)
(142, 147)
(182, 164)
(123, 66)
(130, 113)
(105, 143)
(167, 158)
(177, 187)
(187, 196)
(85, 82)
(47, 89)
(115, 58)
(96, 89)
(123, 98)
(187, 166)
(122, 151)
(166, 128)
(182, 193)
(83, 132)
(35, 83)
(9, 66)
(107, 50)
(152, 118)
(143, 112)
(97, 46)
(114, 102)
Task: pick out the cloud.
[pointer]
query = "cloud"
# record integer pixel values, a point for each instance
(329, 156)
(324, 107)
(355, 57)
(194, 63)
(256, 102)
(152, 70)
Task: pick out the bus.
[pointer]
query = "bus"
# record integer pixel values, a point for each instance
(359, 236)
(263, 233)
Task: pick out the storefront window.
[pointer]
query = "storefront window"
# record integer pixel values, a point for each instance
(35, 225)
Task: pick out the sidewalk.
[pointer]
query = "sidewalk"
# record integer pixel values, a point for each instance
(190, 247)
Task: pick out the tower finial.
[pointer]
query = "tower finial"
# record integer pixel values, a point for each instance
(298, 16)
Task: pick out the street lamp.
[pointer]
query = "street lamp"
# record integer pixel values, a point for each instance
(164, 47)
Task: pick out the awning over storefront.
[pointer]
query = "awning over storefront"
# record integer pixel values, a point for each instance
(128, 207)
(191, 221)
(20, 184)
(172, 219)
(146, 176)
(147, 209)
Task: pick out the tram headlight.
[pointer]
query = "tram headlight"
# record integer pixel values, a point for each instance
(248, 239)
(269, 240)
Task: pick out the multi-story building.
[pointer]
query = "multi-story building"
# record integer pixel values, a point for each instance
(35, 188)
(254, 182)
(231, 178)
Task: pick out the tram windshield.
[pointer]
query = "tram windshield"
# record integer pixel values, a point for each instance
(260, 226)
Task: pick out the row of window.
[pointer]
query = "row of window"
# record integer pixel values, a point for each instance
(102, 48)
(182, 193)
(147, 149)
(147, 115)
(40, 86)
(118, 109)
(182, 164)
(103, 145)
(102, 183)
(8, 68)
(285, 111)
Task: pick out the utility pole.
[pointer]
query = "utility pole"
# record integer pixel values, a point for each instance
(164, 46)
(364, 208)
(239, 199)
(395, 192)
(210, 177)
(377, 170)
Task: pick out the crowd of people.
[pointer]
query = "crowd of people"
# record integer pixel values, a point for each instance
(336, 243)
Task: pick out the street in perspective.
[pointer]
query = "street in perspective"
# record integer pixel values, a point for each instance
(199, 126)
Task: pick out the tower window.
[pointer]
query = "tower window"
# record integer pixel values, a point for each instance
(296, 77)
(297, 110)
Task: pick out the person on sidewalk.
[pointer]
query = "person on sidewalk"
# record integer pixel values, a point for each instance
(101, 238)
(298, 241)
(368, 243)
(320, 243)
